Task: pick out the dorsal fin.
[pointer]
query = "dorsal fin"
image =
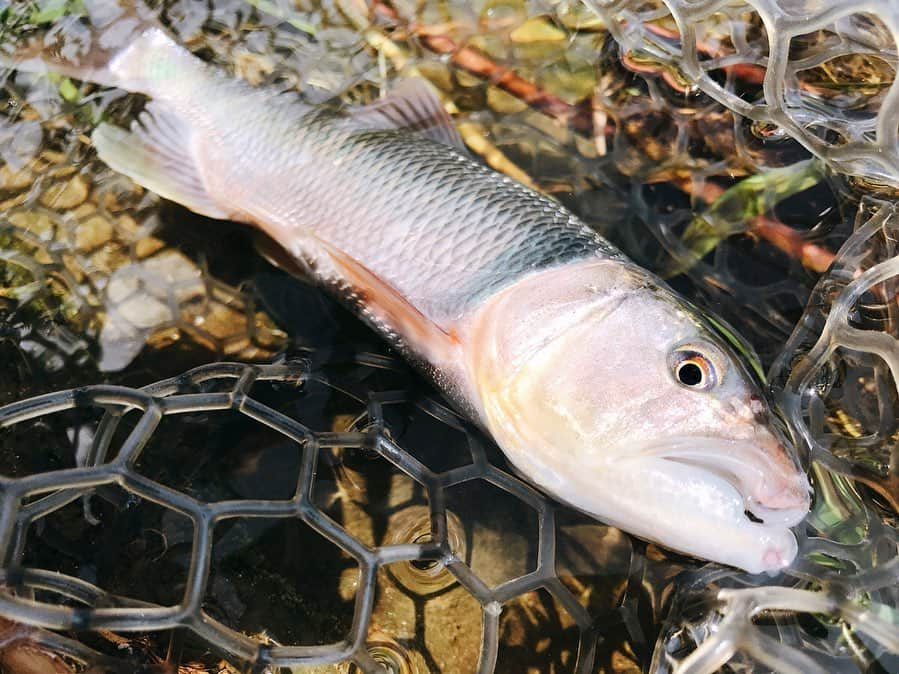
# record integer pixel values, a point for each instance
(411, 105)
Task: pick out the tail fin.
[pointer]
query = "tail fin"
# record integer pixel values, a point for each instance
(122, 46)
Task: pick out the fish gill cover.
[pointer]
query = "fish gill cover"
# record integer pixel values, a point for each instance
(325, 513)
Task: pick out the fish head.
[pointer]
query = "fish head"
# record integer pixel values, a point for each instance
(609, 391)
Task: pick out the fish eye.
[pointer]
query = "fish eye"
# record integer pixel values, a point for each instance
(694, 370)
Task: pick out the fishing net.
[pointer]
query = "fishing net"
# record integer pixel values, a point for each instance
(421, 538)
(419, 555)
(837, 385)
(819, 72)
(327, 513)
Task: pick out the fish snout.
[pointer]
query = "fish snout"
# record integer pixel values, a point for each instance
(783, 495)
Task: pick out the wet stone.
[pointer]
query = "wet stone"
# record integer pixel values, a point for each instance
(93, 233)
(61, 171)
(109, 258)
(437, 74)
(147, 246)
(69, 262)
(66, 196)
(15, 179)
(36, 224)
(252, 67)
(17, 200)
(501, 102)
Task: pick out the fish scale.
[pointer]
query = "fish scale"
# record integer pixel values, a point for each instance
(600, 384)
(441, 229)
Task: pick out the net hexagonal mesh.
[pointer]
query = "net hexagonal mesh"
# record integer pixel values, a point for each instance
(822, 73)
(55, 599)
(327, 513)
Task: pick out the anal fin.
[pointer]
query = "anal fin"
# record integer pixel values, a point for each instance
(156, 154)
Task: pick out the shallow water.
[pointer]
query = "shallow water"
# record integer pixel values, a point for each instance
(414, 539)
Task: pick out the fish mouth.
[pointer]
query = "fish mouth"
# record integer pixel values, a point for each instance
(774, 490)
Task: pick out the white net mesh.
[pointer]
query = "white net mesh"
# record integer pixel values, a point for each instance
(821, 72)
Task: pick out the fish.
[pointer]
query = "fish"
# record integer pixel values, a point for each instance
(601, 385)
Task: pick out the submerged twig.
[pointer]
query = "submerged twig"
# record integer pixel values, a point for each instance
(473, 135)
(582, 118)
(811, 255)
(578, 117)
(783, 237)
(275, 10)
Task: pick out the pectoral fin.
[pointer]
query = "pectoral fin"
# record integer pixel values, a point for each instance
(383, 306)
(277, 256)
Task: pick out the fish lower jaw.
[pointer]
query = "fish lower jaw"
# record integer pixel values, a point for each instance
(775, 551)
(783, 506)
(774, 559)
(688, 507)
(681, 507)
(789, 514)
(762, 478)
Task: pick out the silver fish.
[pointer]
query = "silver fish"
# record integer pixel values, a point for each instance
(599, 383)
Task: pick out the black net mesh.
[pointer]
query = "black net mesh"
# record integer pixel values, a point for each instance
(327, 513)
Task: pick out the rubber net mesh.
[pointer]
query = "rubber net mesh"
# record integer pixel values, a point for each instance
(823, 72)
(324, 511)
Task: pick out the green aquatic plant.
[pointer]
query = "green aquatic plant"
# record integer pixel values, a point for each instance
(53, 10)
(68, 90)
(17, 22)
(17, 19)
(735, 209)
(276, 10)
